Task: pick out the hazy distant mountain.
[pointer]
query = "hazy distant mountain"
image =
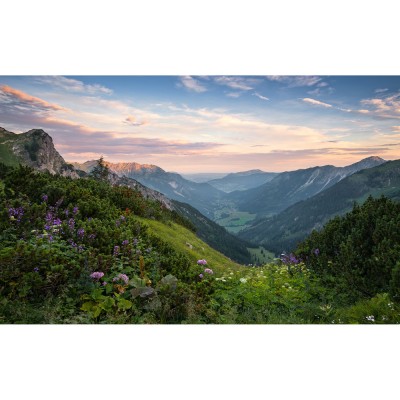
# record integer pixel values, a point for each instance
(242, 180)
(284, 230)
(201, 196)
(203, 177)
(288, 188)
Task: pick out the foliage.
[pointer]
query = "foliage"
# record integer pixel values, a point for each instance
(358, 254)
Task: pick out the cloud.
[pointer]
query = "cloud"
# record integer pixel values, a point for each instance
(381, 90)
(131, 120)
(18, 99)
(297, 81)
(387, 107)
(260, 96)
(316, 102)
(235, 95)
(237, 82)
(72, 85)
(192, 84)
(396, 128)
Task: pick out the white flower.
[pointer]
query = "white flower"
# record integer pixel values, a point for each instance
(370, 318)
(243, 280)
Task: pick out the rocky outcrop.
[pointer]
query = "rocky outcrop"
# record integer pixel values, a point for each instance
(35, 148)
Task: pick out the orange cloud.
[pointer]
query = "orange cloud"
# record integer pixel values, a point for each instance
(21, 96)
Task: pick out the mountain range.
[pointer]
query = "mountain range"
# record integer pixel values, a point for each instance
(287, 188)
(281, 232)
(201, 196)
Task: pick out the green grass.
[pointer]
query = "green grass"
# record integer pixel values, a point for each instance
(236, 221)
(260, 255)
(7, 157)
(177, 236)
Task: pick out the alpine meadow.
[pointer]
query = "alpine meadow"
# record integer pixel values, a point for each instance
(199, 199)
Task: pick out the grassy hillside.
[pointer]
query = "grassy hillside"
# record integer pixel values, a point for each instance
(82, 251)
(215, 235)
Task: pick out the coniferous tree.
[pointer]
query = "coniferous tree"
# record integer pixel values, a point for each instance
(101, 171)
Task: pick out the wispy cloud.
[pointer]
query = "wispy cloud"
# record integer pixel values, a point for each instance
(192, 84)
(72, 85)
(235, 95)
(297, 81)
(316, 102)
(237, 82)
(16, 98)
(387, 106)
(131, 120)
(381, 90)
(260, 96)
(396, 128)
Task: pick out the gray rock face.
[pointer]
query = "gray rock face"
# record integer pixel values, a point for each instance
(35, 148)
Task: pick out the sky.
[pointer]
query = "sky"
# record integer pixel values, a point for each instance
(193, 124)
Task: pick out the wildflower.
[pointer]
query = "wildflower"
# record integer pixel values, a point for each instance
(201, 262)
(57, 222)
(81, 233)
(370, 318)
(121, 277)
(71, 224)
(208, 271)
(117, 222)
(45, 198)
(243, 280)
(92, 236)
(201, 276)
(16, 213)
(97, 275)
(316, 252)
(104, 283)
(135, 242)
(122, 218)
(75, 210)
(50, 238)
(66, 212)
(116, 251)
(36, 269)
(125, 242)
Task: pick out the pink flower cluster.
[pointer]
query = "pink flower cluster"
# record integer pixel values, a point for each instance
(208, 271)
(201, 262)
(121, 277)
(97, 275)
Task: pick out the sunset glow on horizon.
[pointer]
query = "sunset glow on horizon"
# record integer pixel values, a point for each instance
(191, 124)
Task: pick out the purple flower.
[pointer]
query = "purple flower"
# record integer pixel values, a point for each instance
(316, 252)
(75, 210)
(50, 238)
(66, 212)
(81, 233)
(135, 242)
(97, 275)
(45, 198)
(16, 213)
(116, 251)
(122, 218)
(36, 269)
(92, 236)
(208, 271)
(104, 283)
(47, 227)
(201, 276)
(201, 262)
(71, 224)
(125, 242)
(57, 221)
(117, 222)
(121, 277)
